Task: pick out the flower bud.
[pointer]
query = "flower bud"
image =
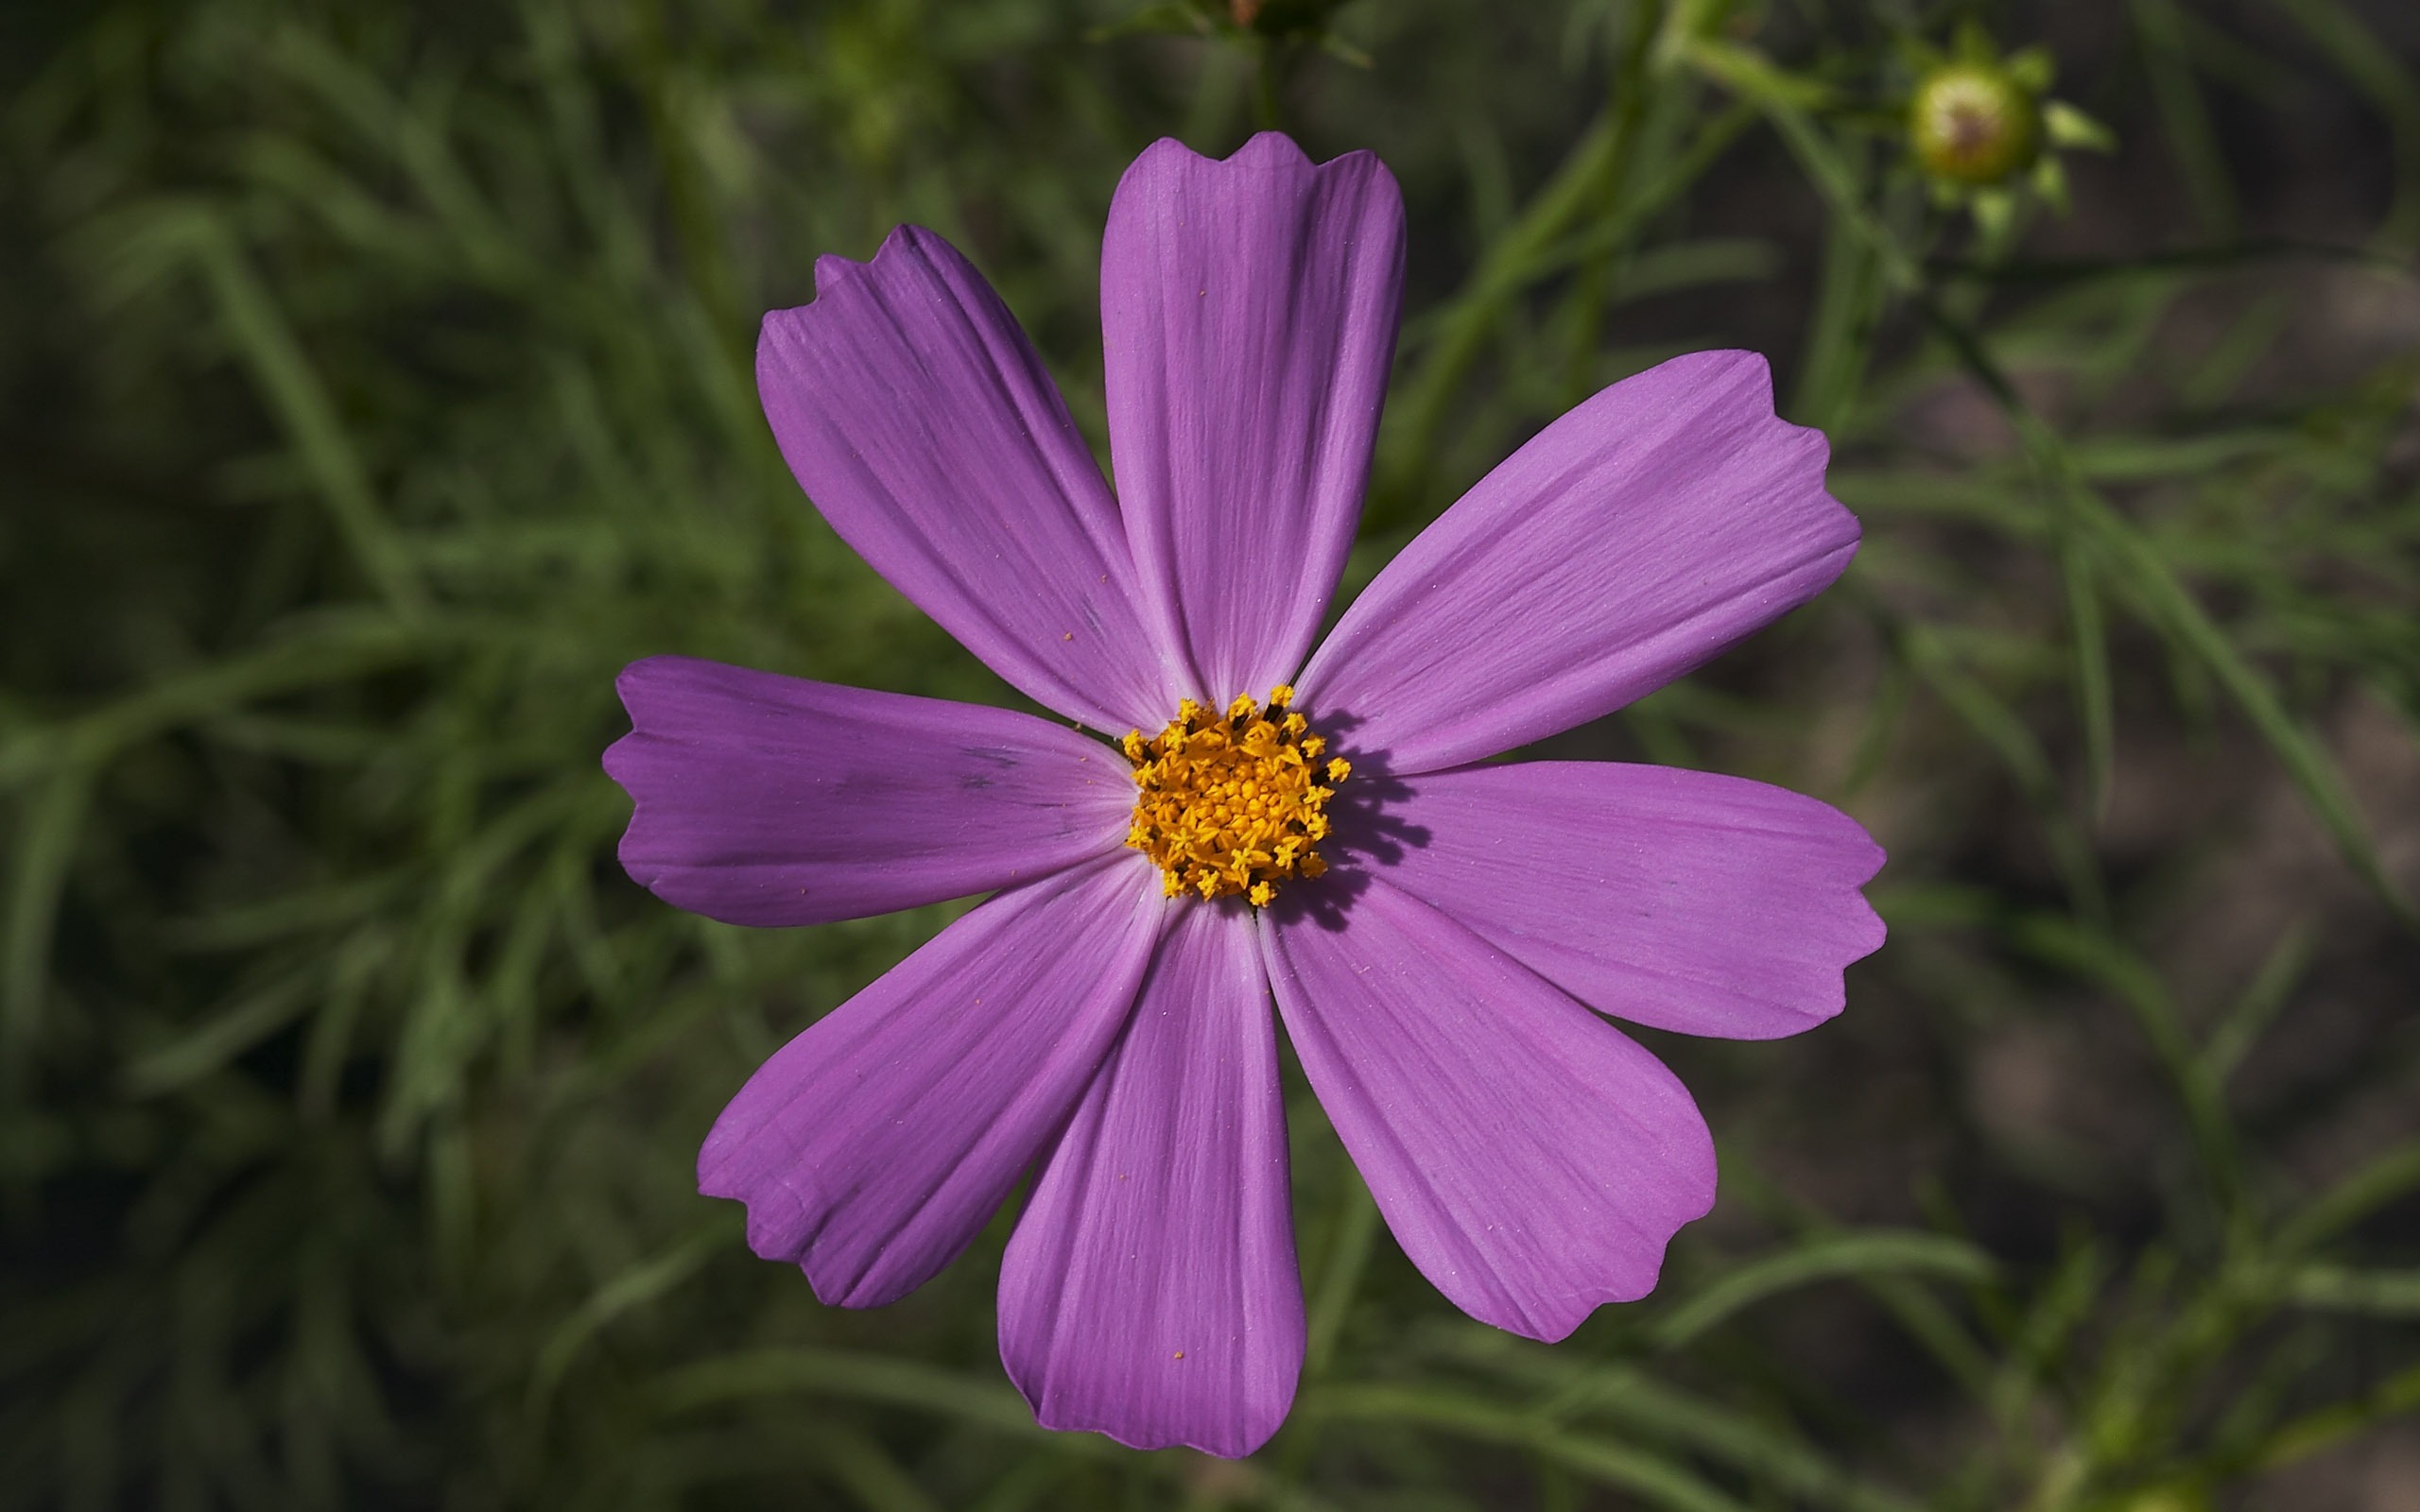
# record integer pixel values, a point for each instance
(1972, 124)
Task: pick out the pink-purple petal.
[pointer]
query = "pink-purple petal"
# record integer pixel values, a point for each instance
(872, 1148)
(1150, 1290)
(1247, 321)
(1531, 1158)
(773, 800)
(1689, 901)
(1628, 542)
(920, 422)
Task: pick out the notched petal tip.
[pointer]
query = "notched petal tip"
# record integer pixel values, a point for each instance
(835, 273)
(1815, 446)
(622, 760)
(619, 759)
(638, 682)
(1265, 152)
(1247, 1442)
(1752, 372)
(1276, 151)
(1245, 1431)
(1559, 1319)
(1871, 858)
(1271, 145)
(778, 1226)
(631, 680)
(1868, 932)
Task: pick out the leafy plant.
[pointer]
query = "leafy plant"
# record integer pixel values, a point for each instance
(379, 384)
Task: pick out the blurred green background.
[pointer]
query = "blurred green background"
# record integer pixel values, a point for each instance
(377, 384)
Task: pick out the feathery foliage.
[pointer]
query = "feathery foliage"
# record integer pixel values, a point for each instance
(378, 383)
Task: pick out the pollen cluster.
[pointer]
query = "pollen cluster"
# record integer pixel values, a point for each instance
(1233, 804)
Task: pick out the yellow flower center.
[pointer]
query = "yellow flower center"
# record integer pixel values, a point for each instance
(1232, 805)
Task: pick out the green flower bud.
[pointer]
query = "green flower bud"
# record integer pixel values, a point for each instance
(1973, 124)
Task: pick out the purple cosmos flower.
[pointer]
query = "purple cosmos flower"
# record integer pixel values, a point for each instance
(1439, 936)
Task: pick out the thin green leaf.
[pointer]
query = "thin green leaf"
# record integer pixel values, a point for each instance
(1820, 1258)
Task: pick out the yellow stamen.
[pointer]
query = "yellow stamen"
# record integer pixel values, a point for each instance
(1232, 806)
